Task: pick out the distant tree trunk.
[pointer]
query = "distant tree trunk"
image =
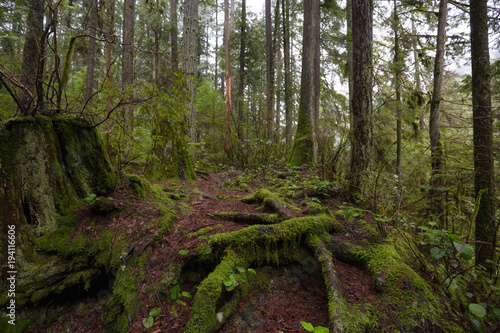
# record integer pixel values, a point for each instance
(191, 59)
(109, 75)
(174, 56)
(128, 51)
(397, 79)
(362, 117)
(418, 82)
(32, 57)
(229, 145)
(92, 29)
(484, 180)
(288, 73)
(276, 61)
(241, 82)
(435, 116)
(216, 74)
(349, 55)
(156, 52)
(303, 150)
(269, 73)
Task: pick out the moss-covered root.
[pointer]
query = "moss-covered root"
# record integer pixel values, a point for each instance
(204, 317)
(250, 218)
(336, 301)
(266, 243)
(268, 200)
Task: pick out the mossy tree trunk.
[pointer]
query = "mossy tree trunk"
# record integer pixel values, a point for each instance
(304, 145)
(47, 166)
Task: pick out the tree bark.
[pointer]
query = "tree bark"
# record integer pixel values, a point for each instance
(174, 55)
(32, 57)
(362, 117)
(288, 73)
(128, 52)
(241, 83)
(191, 59)
(303, 150)
(484, 180)
(435, 116)
(92, 28)
(397, 79)
(269, 73)
(229, 146)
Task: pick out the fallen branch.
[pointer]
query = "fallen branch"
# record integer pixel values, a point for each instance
(250, 218)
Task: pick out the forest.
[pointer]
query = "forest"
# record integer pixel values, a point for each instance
(249, 166)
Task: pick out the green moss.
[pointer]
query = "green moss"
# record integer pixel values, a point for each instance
(267, 243)
(265, 196)
(204, 231)
(125, 300)
(203, 316)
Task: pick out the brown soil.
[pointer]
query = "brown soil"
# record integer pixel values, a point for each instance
(278, 305)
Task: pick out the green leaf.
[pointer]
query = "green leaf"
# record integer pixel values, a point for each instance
(240, 269)
(321, 329)
(207, 250)
(186, 294)
(437, 253)
(228, 283)
(477, 310)
(307, 326)
(148, 322)
(202, 237)
(154, 312)
(175, 293)
(180, 302)
(477, 325)
(251, 270)
(183, 252)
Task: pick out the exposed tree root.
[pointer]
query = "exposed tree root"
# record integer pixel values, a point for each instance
(268, 200)
(332, 283)
(250, 218)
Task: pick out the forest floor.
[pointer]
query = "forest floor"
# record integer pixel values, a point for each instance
(279, 304)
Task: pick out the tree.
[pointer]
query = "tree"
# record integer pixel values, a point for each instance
(32, 59)
(484, 181)
(92, 30)
(437, 160)
(174, 51)
(304, 145)
(190, 52)
(269, 73)
(288, 72)
(229, 107)
(128, 51)
(241, 82)
(362, 117)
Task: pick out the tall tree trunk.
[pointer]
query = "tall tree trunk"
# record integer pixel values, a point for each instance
(216, 74)
(109, 44)
(128, 52)
(349, 55)
(397, 79)
(174, 56)
(484, 180)
(156, 52)
(269, 73)
(241, 83)
(303, 150)
(362, 117)
(229, 145)
(276, 61)
(191, 59)
(435, 116)
(418, 81)
(288, 73)
(32, 57)
(92, 29)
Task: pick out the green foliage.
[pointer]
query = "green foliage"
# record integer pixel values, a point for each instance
(236, 279)
(175, 295)
(148, 322)
(310, 328)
